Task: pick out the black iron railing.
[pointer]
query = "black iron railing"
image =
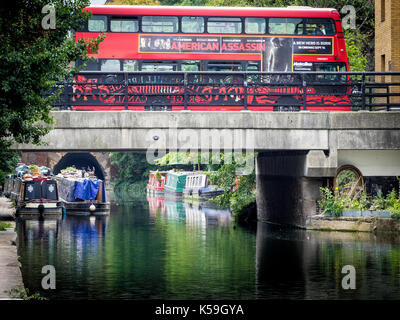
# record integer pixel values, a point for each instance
(289, 91)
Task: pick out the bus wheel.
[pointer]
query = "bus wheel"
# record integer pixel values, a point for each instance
(287, 104)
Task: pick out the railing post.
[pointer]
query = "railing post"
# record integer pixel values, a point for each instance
(363, 98)
(304, 85)
(185, 82)
(126, 90)
(245, 91)
(65, 100)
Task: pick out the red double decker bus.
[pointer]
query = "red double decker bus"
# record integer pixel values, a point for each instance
(264, 49)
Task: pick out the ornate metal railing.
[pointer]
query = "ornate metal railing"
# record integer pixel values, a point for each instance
(289, 91)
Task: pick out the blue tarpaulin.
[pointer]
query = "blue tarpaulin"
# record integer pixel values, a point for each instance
(86, 189)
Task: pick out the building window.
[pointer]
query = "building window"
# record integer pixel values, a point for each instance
(383, 10)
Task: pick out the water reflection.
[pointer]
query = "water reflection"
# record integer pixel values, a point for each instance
(308, 264)
(161, 249)
(198, 215)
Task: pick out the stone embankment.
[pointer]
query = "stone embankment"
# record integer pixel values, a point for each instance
(10, 272)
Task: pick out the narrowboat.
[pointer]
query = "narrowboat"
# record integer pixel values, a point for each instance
(34, 196)
(82, 194)
(198, 188)
(155, 186)
(175, 184)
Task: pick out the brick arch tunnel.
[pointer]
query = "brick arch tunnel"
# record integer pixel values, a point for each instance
(80, 160)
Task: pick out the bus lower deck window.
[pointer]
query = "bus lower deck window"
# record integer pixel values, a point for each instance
(110, 65)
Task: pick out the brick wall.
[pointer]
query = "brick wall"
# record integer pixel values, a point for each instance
(387, 39)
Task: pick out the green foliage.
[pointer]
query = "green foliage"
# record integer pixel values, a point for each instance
(32, 60)
(8, 159)
(337, 203)
(23, 293)
(239, 198)
(132, 174)
(354, 45)
(330, 203)
(4, 226)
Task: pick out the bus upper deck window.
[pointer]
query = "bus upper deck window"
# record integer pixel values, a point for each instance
(159, 24)
(124, 25)
(320, 27)
(97, 23)
(254, 25)
(192, 24)
(285, 26)
(224, 25)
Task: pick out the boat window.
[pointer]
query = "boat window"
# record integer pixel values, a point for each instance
(285, 25)
(224, 25)
(192, 24)
(159, 24)
(124, 25)
(97, 23)
(254, 25)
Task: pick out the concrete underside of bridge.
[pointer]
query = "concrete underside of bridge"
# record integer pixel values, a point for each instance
(298, 151)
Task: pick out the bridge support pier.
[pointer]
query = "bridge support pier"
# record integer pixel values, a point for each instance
(284, 195)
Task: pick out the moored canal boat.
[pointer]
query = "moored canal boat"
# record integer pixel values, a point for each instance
(82, 195)
(175, 184)
(34, 194)
(157, 180)
(198, 188)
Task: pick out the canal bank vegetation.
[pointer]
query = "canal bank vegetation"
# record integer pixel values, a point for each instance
(24, 294)
(132, 174)
(337, 202)
(4, 226)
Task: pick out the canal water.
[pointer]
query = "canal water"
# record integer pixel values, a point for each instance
(159, 249)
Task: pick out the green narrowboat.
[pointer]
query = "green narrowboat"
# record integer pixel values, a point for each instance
(175, 184)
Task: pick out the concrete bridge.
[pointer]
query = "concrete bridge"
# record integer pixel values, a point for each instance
(297, 151)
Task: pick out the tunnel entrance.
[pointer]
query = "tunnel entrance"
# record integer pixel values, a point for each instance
(80, 160)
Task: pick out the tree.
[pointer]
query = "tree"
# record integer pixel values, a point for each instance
(33, 57)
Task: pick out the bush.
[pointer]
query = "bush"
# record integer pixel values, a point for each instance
(337, 203)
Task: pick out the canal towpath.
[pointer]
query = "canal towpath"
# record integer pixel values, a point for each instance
(10, 272)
